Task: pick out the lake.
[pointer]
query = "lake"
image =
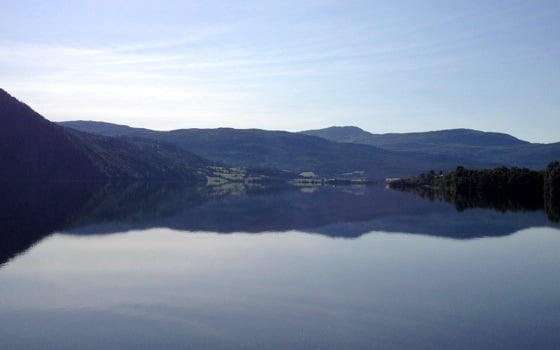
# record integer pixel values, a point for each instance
(163, 266)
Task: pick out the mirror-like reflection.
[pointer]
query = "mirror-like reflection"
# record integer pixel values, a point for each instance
(522, 202)
(31, 212)
(164, 265)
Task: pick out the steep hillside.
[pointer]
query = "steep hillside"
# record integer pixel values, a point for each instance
(33, 148)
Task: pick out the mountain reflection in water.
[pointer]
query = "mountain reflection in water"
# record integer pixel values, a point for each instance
(31, 212)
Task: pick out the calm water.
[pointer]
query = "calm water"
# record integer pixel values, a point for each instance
(155, 267)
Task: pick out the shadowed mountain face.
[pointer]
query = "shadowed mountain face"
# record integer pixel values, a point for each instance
(32, 148)
(30, 213)
(489, 147)
(287, 151)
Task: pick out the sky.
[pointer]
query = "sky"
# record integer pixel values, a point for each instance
(385, 66)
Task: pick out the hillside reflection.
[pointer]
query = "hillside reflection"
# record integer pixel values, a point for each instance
(495, 201)
(31, 212)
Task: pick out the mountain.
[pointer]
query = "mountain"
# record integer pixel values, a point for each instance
(442, 138)
(33, 148)
(487, 147)
(340, 133)
(294, 152)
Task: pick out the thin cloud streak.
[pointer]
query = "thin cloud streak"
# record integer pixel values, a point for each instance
(428, 67)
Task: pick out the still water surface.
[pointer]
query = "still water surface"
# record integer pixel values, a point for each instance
(381, 278)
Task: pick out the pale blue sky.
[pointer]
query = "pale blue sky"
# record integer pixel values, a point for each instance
(386, 66)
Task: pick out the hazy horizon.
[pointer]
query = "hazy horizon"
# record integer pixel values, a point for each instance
(325, 127)
(384, 67)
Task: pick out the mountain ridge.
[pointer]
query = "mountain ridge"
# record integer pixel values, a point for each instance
(357, 134)
(285, 150)
(488, 147)
(33, 148)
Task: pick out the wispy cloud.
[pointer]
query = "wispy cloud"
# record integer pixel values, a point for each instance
(296, 70)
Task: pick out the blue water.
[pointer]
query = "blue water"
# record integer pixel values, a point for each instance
(149, 286)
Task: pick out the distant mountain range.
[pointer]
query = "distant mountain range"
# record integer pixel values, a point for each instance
(295, 152)
(486, 147)
(32, 148)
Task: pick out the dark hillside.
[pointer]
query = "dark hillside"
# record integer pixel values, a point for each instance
(33, 148)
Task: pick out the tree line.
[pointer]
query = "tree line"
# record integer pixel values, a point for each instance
(501, 188)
